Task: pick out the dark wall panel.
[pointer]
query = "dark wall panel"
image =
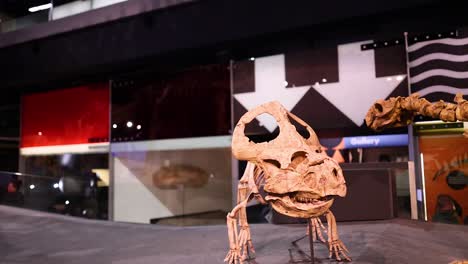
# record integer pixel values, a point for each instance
(191, 103)
(69, 116)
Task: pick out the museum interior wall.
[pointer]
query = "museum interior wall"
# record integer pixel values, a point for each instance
(153, 146)
(157, 122)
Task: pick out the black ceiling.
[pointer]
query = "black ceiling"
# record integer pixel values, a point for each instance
(19, 8)
(209, 31)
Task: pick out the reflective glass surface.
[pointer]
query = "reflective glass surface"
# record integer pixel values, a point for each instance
(191, 103)
(444, 161)
(71, 184)
(170, 184)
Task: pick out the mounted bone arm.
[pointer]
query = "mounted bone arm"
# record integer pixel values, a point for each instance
(400, 111)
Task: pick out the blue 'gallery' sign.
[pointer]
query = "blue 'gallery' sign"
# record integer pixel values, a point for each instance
(376, 141)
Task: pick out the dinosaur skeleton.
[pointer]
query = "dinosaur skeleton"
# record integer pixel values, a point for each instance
(300, 180)
(400, 111)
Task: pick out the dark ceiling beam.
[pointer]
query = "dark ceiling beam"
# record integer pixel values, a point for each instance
(84, 20)
(196, 31)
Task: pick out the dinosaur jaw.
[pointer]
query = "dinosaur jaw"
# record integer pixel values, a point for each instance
(297, 206)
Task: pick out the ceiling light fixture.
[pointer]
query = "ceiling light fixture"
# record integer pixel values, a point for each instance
(40, 7)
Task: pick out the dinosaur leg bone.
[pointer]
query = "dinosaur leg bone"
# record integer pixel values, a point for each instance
(244, 238)
(240, 243)
(233, 255)
(335, 245)
(317, 227)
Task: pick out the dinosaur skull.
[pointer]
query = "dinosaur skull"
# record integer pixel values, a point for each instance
(300, 179)
(388, 113)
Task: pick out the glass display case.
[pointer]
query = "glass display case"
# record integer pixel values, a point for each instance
(71, 184)
(176, 181)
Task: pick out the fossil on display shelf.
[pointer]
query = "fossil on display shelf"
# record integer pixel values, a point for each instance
(174, 176)
(400, 111)
(298, 177)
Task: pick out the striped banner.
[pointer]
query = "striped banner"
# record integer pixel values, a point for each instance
(439, 68)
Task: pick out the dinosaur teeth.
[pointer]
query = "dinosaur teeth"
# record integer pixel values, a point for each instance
(304, 200)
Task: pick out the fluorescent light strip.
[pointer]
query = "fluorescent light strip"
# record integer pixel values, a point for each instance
(173, 144)
(424, 187)
(40, 7)
(63, 149)
(434, 122)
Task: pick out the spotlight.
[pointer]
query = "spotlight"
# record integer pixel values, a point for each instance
(60, 184)
(251, 59)
(67, 202)
(324, 80)
(39, 133)
(32, 186)
(114, 126)
(129, 124)
(56, 185)
(139, 127)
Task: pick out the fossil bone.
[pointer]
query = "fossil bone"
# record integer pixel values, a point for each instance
(170, 177)
(400, 111)
(300, 180)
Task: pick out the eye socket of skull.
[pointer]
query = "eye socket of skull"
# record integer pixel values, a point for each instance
(298, 157)
(378, 107)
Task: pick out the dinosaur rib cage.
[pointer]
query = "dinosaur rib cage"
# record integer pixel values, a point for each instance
(259, 177)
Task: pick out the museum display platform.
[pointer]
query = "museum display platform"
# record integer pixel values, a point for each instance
(35, 237)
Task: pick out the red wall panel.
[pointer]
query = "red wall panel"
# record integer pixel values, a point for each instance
(70, 116)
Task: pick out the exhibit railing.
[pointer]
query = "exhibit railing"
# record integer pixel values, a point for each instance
(375, 191)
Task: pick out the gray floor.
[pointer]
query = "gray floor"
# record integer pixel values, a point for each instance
(33, 237)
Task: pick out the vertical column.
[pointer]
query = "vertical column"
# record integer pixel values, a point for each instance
(413, 155)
